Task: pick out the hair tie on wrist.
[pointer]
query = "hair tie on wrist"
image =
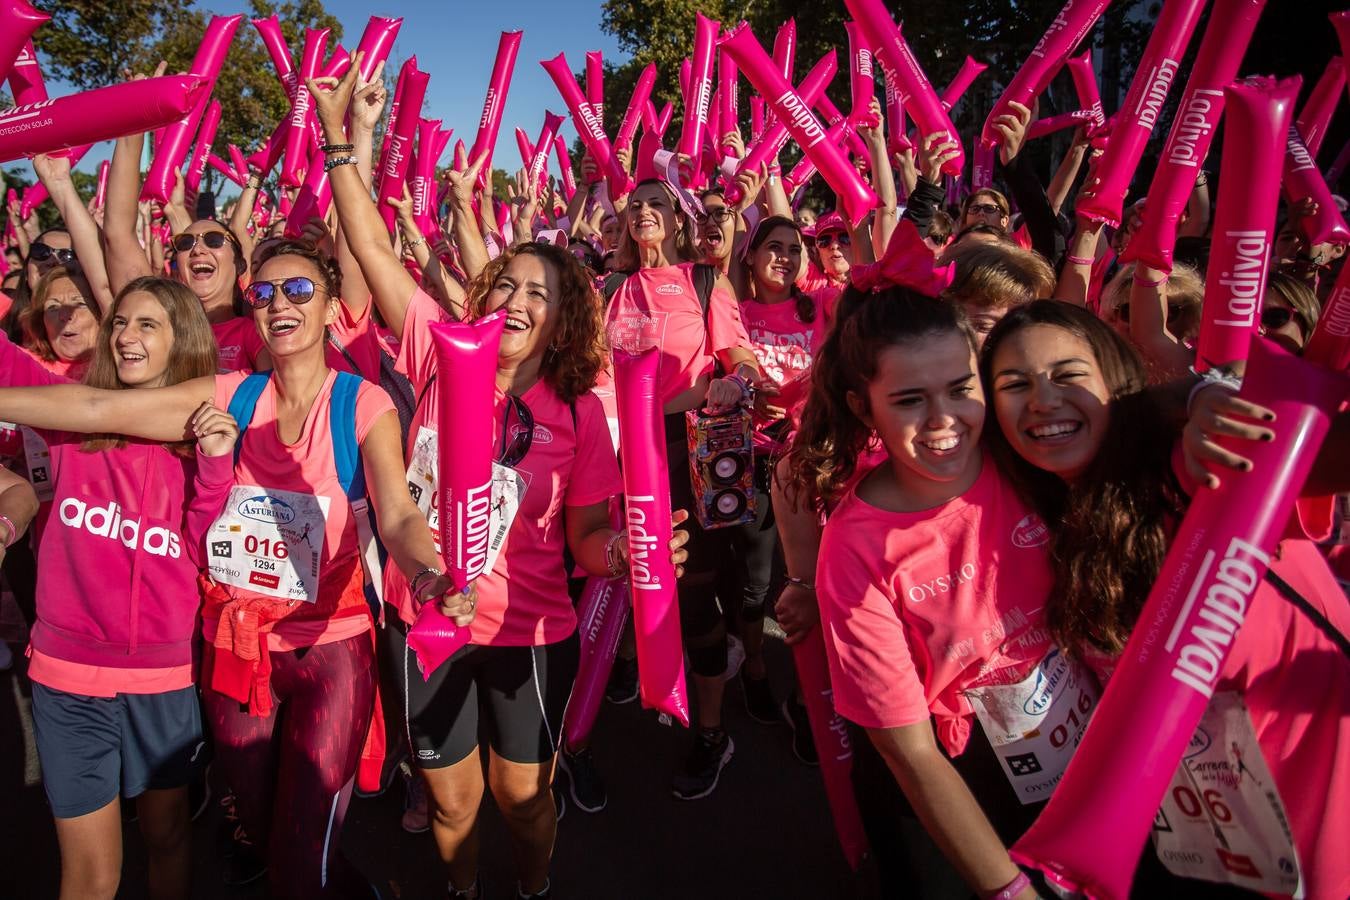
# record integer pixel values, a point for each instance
(1080, 260)
(1011, 889)
(1161, 279)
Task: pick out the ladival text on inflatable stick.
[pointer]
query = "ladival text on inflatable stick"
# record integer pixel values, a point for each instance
(1231, 24)
(642, 92)
(1041, 127)
(861, 79)
(490, 122)
(651, 575)
(1085, 86)
(25, 79)
(1329, 345)
(98, 115)
(18, 21)
(595, 83)
(916, 93)
(538, 170)
(601, 615)
(1258, 114)
(698, 94)
(1176, 652)
(728, 99)
(201, 150)
(896, 128)
(466, 357)
(961, 82)
(410, 90)
(587, 125)
(775, 136)
(1064, 34)
(569, 178)
(300, 137)
(1302, 182)
(1139, 114)
(169, 155)
(1315, 116)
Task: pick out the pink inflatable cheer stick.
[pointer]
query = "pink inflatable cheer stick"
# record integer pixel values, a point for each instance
(569, 178)
(36, 195)
(225, 169)
(600, 619)
(206, 135)
(698, 94)
(1143, 104)
(833, 746)
(587, 125)
(651, 576)
(794, 112)
(756, 118)
(539, 164)
(274, 41)
(299, 136)
(1085, 86)
(98, 115)
(314, 199)
(1231, 24)
(18, 21)
(409, 93)
(336, 67)
(466, 359)
(961, 82)
(825, 106)
(862, 81)
(1330, 342)
(1244, 218)
(895, 113)
(265, 158)
(785, 48)
(728, 99)
(1302, 182)
(237, 161)
(376, 43)
(775, 136)
(1064, 33)
(423, 185)
(686, 72)
(489, 123)
(633, 115)
(524, 146)
(664, 118)
(837, 134)
(101, 186)
(595, 83)
(159, 181)
(1041, 127)
(1315, 116)
(25, 80)
(982, 171)
(920, 101)
(1167, 674)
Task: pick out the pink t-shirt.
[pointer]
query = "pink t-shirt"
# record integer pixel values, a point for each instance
(661, 306)
(523, 601)
(304, 467)
(785, 346)
(918, 607)
(238, 344)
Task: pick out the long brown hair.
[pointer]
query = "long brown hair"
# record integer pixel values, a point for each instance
(806, 306)
(34, 316)
(578, 350)
(824, 453)
(192, 354)
(1109, 528)
(626, 257)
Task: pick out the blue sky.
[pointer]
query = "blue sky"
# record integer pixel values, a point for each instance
(456, 43)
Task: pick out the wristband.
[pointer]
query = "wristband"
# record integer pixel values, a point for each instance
(1011, 889)
(1080, 260)
(12, 533)
(1221, 377)
(616, 566)
(411, 244)
(331, 164)
(1161, 279)
(742, 383)
(801, 583)
(337, 148)
(414, 585)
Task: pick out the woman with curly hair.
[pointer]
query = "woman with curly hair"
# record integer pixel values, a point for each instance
(517, 671)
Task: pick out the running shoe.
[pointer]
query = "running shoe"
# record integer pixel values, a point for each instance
(415, 817)
(623, 681)
(712, 750)
(759, 702)
(586, 785)
(735, 657)
(803, 745)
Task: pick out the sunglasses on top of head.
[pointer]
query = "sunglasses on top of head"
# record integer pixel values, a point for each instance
(214, 240)
(41, 252)
(298, 290)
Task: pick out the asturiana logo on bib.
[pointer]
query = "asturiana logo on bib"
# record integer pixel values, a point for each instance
(107, 522)
(1049, 677)
(266, 508)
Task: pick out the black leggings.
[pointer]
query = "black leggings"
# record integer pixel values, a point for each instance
(745, 584)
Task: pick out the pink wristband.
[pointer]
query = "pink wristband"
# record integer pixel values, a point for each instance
(1080, 260)
(1011, 889)
(13, 533)
(1144, 281)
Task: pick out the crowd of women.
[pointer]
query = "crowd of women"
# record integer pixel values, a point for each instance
(958, 488)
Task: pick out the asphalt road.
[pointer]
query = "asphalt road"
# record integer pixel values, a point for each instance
(765, 833)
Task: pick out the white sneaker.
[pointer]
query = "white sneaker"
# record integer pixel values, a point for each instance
(735, 657)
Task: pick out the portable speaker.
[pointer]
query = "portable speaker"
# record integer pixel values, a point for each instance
(721, 467)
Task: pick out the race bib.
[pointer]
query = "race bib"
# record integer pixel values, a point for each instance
(633, 330)
(269, 542)
(1221, 819)
(39, 459)
(1035, 725)
(508, 491)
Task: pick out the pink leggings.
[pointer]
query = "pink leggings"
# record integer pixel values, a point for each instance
(292, 771)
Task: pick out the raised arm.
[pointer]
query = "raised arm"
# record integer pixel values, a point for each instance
(1168, 357)
(464, 226)
(1062, 181)
(126, 258)
(1197, 209)
(154, 414)
(1076, 274)
(1026, 190)
(243, 214)
(883, 182)
(363, 111)
(54, 173)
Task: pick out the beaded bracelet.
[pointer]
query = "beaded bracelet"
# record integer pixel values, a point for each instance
(337, 148)
(616, 566)
(331, 164)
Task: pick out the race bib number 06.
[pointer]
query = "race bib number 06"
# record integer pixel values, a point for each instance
(269, 542)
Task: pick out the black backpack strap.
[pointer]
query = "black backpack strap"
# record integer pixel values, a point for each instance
(705, 279)
(1301, 603)
(613, 282)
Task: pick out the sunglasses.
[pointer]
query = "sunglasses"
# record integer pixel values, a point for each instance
(214, 240)
(1123, 311)
(298, 290)
(985, 209)
(516, 438)
(40, 252)
(1273, 317)
(825, 241)
(720, 215)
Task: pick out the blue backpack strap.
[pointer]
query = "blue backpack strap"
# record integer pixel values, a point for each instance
(342, 427)
(244, 403)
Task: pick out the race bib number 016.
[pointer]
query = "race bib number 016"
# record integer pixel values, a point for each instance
(269, 542)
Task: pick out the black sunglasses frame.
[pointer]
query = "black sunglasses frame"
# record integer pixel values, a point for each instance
(40, 253)
(521, 438)
(208, 238)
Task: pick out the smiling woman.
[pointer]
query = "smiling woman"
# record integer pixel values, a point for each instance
(61, 323)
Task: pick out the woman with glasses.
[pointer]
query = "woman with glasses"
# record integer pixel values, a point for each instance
(1290, 312)
(832, 251)
(552, 443)
(288, 674)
